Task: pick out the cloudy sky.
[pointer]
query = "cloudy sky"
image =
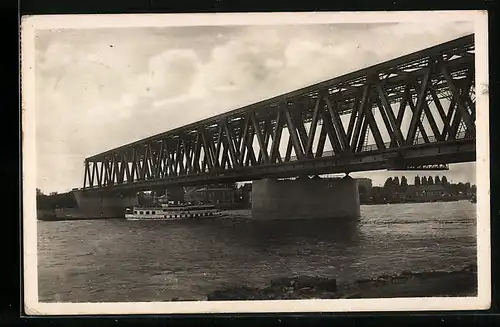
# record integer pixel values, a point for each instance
(100, 88)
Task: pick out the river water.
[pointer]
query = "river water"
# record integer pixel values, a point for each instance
(117, 260)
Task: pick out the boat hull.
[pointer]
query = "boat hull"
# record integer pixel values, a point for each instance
(173, 215)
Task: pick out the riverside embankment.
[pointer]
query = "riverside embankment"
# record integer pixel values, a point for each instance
(407, 284)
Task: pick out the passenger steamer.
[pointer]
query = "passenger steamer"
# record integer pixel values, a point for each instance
(171, 212)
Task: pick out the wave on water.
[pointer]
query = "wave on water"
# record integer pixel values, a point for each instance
(411, 222)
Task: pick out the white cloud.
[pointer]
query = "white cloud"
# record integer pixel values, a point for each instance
(427, 27)
(272, 63)
(170, 73)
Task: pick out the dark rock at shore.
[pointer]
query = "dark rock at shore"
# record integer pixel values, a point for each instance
(179, 299)
(306, 282)
(281, 288)
(237, 293)
(459, 282)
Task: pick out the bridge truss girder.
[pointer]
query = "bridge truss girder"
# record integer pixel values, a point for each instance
(253, 136)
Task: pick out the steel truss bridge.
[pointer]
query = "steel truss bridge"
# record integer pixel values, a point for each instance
(285, 136)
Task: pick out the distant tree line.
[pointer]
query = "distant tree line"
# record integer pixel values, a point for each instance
(393, 184)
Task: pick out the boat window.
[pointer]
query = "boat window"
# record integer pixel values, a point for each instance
(135, 212)
(153, 212)
(141, 212)
(147, 212)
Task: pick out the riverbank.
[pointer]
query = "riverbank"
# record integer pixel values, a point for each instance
(407, 284)
(67, 214)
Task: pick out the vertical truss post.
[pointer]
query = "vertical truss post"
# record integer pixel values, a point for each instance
(230, 145)
(293, 133)
(388, 115)
(312, 129)
(364, 103)
(419, 107)
(86, 174)
(337, 124)
(260, 139)
(278, 129)
(94, 169)
(352, 118)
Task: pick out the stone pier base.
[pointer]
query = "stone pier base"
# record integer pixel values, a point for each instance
(305, 198)
(103, 205)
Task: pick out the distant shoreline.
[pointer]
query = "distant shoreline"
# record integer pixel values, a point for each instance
(78, 219)
(45, 215)
(416, 201)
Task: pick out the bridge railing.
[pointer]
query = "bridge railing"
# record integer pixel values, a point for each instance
(387, 145)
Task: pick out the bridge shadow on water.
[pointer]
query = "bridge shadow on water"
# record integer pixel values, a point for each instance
(269, 235)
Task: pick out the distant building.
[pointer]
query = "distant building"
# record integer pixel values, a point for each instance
(172, 194)
(433, 190)
(218, 194)
(425, 192)
(399, 196)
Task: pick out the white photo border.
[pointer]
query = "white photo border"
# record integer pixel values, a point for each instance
(30, 24)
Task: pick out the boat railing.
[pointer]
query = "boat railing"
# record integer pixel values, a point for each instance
(174, 208)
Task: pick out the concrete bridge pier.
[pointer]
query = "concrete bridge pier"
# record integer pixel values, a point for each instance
(103, 205)
(305, 198)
